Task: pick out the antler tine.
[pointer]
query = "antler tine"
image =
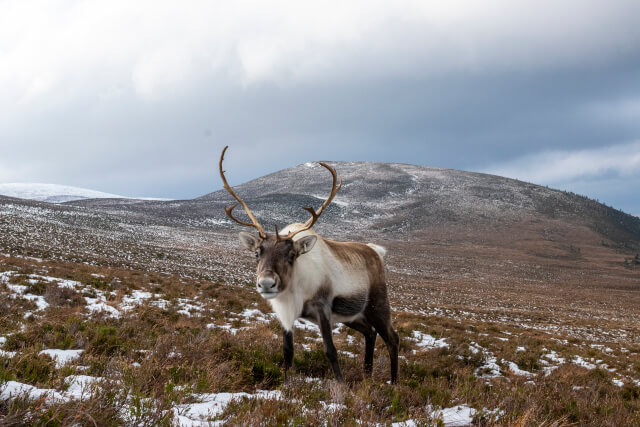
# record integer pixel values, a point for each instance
(334, 190)
(228, 210)
(336, 185)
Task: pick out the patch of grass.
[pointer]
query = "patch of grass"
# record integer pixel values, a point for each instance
(105, 340)
(312, 363)
(265, 412)
(16, 342)
(528, 360)
(58, 296)
(34, 369)
(153, 358)
(266, 373)
(37, 287)
(7, 373)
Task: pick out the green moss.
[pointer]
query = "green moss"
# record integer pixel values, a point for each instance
(57, 336)
(202, 383)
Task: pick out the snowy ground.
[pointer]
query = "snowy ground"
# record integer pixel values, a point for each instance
(482, 350)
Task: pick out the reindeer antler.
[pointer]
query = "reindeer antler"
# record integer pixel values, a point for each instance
(335, 187)
(229, 210)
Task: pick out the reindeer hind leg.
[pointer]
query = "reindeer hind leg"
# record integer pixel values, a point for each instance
(382, 325)
(370, 334)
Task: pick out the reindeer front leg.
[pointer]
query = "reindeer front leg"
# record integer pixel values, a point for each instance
(287, 339)
(327, 338)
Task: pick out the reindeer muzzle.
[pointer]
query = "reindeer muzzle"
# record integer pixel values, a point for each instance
(268, 286)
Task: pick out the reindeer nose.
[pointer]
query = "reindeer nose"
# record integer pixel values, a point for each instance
(266, 283)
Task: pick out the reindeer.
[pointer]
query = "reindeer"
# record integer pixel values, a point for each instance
(302, 275)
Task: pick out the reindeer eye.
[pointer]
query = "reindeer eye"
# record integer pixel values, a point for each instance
(257, 254)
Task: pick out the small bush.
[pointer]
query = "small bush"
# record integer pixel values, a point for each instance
(16, 342)
(312, 363)
(106, 342)
(33, 369)
(58, 296)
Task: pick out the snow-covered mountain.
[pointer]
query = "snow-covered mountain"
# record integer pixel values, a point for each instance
(392, 199)
(53, 193)
(438, 211)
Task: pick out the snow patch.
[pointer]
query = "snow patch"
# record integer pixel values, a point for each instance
(490, 369)
(581, 362)
(81, 386)
(13, 389)
(306, 325)
(62, 357)
(426, 341)
(7, 354)
(19, 290)
(211, 405)
(135, 299)
(513, 367)
(99, 305)
(255, 315)
(460, 415)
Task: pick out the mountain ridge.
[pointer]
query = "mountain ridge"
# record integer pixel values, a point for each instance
(418, 213)
(389, 198)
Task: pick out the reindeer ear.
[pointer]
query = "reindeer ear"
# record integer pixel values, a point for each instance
(249, 241)
(304, 244)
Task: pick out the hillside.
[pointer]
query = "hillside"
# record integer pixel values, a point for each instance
(54, 193)
(393, 200)
(51, 193)
(398, 197)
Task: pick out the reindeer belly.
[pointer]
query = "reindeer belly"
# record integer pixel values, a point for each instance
(348, 307)
(344, 308)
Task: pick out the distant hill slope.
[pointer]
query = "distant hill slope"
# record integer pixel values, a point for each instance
(386, 198)
(54, 193)
(51, 193)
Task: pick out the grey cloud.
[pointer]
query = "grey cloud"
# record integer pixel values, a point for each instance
(429, 87)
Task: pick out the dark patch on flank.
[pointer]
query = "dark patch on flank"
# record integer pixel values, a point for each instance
(349, 306)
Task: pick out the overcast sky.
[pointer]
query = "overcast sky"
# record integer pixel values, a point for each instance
(138, 98)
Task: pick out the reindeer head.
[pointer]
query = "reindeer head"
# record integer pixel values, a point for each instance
(276, 253)
(276, 258)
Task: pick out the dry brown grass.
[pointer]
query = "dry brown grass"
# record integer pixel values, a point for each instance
(516, 299)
